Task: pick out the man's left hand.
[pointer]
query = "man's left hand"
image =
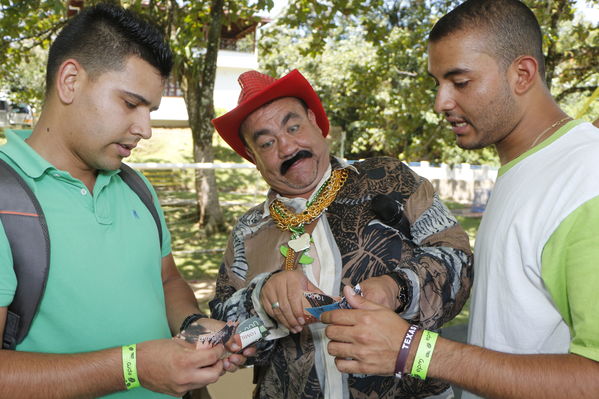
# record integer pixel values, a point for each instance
(382, 290)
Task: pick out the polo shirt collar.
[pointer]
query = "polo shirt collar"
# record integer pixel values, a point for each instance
(23, 155)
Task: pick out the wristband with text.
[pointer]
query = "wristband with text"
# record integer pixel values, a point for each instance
(129, 356)
(424, 354)
(402, 356)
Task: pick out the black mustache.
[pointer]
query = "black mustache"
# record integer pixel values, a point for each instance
(289, 163)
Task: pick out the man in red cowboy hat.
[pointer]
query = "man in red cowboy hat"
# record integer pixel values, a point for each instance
(317, 231)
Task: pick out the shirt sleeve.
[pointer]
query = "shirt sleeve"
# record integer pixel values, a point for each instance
(233, 303)
(570, 271)
(439, 273)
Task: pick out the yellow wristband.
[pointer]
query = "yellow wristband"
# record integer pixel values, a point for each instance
(424, 354)
(129, 354)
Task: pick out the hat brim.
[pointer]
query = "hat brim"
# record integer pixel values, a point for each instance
(291, 85)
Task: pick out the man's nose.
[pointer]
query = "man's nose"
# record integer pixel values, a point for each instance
(142, 126)
(443, 100)
(287, 145)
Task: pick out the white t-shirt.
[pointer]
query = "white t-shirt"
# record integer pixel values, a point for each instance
(513, 306)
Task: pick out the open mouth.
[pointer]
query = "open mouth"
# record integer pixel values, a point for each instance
(458, 124)
(286, 165)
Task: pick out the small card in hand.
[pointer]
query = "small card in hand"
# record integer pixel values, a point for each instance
(321, 303)
(198, 334)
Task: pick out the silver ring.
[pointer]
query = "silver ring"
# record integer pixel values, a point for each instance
(275, 305)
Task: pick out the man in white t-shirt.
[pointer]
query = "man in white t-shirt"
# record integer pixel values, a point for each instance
(534, 322)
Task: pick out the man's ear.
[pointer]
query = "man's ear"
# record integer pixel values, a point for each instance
(311, 115)
(312, 119)
(250, 154)
(525, 71)
(68, 78)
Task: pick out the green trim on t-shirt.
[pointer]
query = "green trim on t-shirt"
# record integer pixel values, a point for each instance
(570, 271)
(559, 133)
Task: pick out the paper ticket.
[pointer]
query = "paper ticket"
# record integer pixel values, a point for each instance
(323, 303)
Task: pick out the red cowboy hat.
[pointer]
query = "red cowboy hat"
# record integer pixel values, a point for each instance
(258, 89)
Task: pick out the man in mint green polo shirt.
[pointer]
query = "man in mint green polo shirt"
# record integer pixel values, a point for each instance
(534, 319)
(113, 291)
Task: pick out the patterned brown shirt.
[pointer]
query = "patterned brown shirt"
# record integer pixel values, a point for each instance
(433, 262)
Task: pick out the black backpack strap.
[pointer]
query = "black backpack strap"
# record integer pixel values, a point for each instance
(136, 183)
(27, 232)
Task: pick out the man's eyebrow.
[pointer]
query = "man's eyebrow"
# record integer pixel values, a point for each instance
(455, 71)
(287, 117)
(290, 115)
(259, 133)
(141, 99)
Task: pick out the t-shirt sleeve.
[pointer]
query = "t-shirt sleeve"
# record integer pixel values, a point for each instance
(8, 280)
(570, 263)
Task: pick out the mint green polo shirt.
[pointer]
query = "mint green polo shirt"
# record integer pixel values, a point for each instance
(104, 287)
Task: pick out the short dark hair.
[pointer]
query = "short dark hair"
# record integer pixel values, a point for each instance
(511, 27)
(102, 37)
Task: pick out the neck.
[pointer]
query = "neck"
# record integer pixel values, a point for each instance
(47, 140)
(535, 125)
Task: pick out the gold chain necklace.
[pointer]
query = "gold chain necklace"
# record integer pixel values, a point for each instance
(546, 130)
(285, 219)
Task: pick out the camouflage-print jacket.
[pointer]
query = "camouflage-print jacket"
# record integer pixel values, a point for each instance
(434, 265)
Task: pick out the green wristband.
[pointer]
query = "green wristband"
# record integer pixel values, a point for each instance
(424, 354)
(129, 355)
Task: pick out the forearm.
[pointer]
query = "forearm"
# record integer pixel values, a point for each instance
(179, 298)
(438, 281)
(180, 303)
(36, 375)
(499, 375)
(240, 306)
(438, 272)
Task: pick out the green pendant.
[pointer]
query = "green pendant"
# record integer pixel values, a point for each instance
(305, 259)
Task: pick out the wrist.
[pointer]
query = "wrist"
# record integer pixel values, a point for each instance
(191, 319)
(413, 349)
(400, 290)
(129, 358)
(424, 353)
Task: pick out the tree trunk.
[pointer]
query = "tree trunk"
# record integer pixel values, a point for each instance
(199, 98)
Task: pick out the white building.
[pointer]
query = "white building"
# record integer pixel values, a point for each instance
(237, 55)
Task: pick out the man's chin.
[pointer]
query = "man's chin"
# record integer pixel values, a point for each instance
(298, 187)
(466, 144)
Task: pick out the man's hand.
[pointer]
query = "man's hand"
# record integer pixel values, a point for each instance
(234, 360)
(369, 334)
(382, 290)
(286, 289)
(231, 362)
(173, 366)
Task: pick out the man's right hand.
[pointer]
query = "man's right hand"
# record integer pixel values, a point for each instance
(286, 289)
(173, 366)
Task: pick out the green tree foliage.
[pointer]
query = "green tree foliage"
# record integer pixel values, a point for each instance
(193, 28)
(367, 59)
